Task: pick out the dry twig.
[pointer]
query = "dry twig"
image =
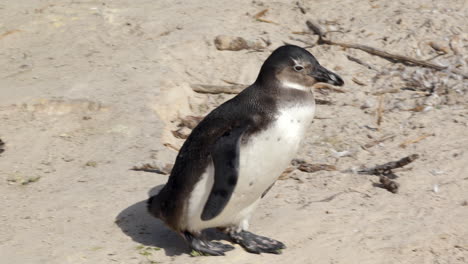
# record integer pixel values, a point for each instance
(217, 89)
(386, 169)
(326, 86)
(385, 91)
(380, 110)
(358, 61)
(385, 172)
(301, 8)
(330, 198)
(304, 166)
(416, 140)
(153, 168)
(381, 53)
(237, 88)
(9, 33)
(169, 145)
(260, 14)
(323, 102)
(358, 82)
(179, 134)
(190, 121)
(378, 141)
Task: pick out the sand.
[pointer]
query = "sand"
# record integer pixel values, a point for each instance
(89, 89)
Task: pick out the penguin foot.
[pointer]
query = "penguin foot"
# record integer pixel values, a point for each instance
(202, 247)
(257, 244)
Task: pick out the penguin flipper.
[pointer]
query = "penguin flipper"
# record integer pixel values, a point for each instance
(225, 155)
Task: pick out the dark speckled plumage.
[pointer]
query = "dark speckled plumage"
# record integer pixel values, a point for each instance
(250, 112)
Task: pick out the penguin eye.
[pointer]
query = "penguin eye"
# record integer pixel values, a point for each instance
(298, 68)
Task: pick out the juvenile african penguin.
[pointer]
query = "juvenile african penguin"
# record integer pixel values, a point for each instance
(237, 152)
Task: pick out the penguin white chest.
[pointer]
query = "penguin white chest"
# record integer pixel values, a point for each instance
(267, 154)
(262, 159)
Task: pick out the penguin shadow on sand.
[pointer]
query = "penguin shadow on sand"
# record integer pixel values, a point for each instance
(137, 223)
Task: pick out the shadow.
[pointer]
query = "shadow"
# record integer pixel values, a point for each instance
(137, 223)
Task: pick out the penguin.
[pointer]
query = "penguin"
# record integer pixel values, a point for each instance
(237, 152)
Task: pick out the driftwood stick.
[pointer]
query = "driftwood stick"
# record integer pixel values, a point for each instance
(378, 52)
(412, 141)
(237, 88)
(387, 168)
(304, 166)
(378, 141)
(380, 110)
(153, 168)
(385, 172)
(358, 61)
(387, 55)
(217, 89)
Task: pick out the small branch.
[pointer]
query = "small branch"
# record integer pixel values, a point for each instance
(262, 13)
(237, 88)
(416, 140)
(385, 172)
(381, 53)
(316, 29)
(323, 102)
(386, 169)
(358, 82)
(358, 61)
(385, 91)
(330, 198)
(190, 121)
(380, 110)
(9, 33)
(218, 89)
(301, 8)
(169, 145)
(378, 141)
(319, 86)
(389, 56)
(152, 168)
(304, 166)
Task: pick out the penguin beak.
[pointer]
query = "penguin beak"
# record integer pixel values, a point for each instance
(323, 75)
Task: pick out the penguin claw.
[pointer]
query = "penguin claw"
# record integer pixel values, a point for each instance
(206, 248)
(257, 244)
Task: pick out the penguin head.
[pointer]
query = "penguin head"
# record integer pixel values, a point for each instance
(294, 67)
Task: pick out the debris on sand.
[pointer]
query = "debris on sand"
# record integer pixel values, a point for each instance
(2, 146)
(154, 168)
(385, 172)
(391, 186)
(304, 166)
(223, 42)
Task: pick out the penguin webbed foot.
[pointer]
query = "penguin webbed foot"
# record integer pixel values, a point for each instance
(206, 248)
(257, 244)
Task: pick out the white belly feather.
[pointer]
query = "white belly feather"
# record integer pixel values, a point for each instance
(262, 160)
